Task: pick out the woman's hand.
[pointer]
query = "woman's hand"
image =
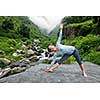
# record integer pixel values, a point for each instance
(48, 70)
(61, 26)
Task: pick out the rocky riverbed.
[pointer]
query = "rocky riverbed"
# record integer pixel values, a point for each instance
(67, 73)
(30, 54)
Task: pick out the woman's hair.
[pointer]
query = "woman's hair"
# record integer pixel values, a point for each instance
(49, 50)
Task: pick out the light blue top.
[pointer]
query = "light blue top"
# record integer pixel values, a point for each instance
(62, 49)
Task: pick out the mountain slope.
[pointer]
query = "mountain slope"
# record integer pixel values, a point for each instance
(18, 26)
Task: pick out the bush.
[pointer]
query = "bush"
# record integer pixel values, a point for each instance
(82, 29)
(88, 42)
(93, 56)
(87, 47)
(85, 29)
(2, 64)
(12, 42)
(28, 42)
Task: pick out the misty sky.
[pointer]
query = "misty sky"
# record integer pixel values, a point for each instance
(47, 22)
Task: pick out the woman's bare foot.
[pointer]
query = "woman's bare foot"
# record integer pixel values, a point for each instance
(84, 74)
(48, 70)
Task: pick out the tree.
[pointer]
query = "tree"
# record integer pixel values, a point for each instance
(7, 24)
(76, 19)
(24, 31)
(96, 20)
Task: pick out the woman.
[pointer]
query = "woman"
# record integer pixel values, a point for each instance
(65, 51)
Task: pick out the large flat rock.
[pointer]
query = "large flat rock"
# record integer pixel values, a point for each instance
(69, 73)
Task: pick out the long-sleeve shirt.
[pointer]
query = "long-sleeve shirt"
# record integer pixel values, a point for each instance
(62, 49)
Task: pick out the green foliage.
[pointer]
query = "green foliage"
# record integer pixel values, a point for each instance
(70, 60)
(83, 28)
(28, 42)
(12, 42)
(7, 45)
(89, 22)
(93, 56)
(86, 24)
(18, 27)
(47, 40)
(96, 19)
(24, 31)
(7, 24)
(2, 64)
(76, 19)
(45, 43)
(88, 42)
(87, 47)
(15, 31)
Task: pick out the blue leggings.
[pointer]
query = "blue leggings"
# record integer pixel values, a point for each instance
(75, 54)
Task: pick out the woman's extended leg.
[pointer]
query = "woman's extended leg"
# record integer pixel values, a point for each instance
(77, 56)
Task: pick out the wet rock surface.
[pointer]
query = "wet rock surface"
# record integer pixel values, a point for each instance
(69, 73)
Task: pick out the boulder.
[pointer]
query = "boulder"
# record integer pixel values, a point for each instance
(27, 61)
(17, 70)
(30, 52)
(16, 64)
(5, 61)
(20, 52)
(15, 54)
(23, 64)
(33, 59)
(24, 60)
(4, 72)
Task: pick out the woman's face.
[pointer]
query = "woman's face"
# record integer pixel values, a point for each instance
(52, 48)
